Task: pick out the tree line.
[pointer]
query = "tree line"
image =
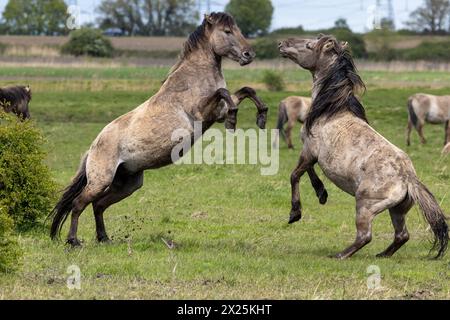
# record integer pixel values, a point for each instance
(177, 17)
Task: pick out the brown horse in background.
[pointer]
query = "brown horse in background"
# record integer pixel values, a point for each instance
(195, 91)
(16, 100)
(291, 110)
(351, 153)
(424, 108)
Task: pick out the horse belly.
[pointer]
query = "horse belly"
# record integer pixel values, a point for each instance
(343, 181)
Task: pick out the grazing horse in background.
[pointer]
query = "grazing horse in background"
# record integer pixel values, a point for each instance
(428, 108)
(351, 153)
(194, 91)
(291, 110)
(16, 100)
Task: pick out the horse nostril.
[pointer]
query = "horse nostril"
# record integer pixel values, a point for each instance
(247, 54)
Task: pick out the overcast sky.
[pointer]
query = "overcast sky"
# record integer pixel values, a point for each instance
(312, 14)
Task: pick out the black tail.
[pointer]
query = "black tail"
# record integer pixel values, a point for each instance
(282, 119)
(65, 205)
(432, 212)
(412, 113)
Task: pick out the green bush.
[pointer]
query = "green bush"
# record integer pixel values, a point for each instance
(10, 252)
(26, 186)
(88, 42)
(273, 81)
(266, 48)
(432, 51)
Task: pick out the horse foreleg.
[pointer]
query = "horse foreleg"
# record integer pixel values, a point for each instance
(123, 186)
(318, 186)
(303, 165)
(250, 93)
(219, 95)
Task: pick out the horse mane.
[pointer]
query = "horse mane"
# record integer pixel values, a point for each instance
(337, 88)
(198, 38)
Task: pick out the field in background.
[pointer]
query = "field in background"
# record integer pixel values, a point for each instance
(229, 223)
(162, 51)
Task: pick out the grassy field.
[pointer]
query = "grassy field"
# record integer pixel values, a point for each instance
(229, 223)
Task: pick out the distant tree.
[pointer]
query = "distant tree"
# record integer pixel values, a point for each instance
(431, 17)
(35, 17)
(254, 17)
(387, 24)
(149, 17)
(341, 24)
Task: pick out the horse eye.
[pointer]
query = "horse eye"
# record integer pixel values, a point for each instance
(228, 31)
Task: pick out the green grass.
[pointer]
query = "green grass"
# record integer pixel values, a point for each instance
(229, 223)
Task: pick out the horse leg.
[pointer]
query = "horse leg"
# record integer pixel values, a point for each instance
(289, 129)
(367, 210)
(250, 93)
(304, 164)
(447, 132)
(420, 131)
(123, 186)
(89, 194)
(408, 133)
(398, 215)
(318, 186)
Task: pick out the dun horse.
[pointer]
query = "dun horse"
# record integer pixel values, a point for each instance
(351, 153)
(424, 108)
(195, 90)
(16, 100)
(291, 110)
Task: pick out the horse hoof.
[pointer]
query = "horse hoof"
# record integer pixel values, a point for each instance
(104, 240)
(323, 197)
(383, 255)
(338, 256)
(74, 243)
(295, 216)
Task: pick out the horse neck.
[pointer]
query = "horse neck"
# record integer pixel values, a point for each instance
(205, 62)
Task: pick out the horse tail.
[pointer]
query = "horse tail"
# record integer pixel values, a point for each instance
(65, 204)
(282, 118)
(432, 213)
(412, 114)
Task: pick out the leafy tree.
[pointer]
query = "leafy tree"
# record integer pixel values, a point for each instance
(88, 42)
(149, 17)
(254, 17)
(431, 17)
(35, 17)
(341, 24)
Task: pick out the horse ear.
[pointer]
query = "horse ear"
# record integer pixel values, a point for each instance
(329, 45)
(209, 19)
(27, 88)
(320, 36)
(344, 45)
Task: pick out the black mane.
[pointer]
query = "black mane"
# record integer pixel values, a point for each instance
(197, 38)
(337, 90)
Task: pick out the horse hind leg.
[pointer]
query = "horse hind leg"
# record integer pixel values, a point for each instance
(367, 210)
(408, 133)
(420, 131)
(89, 194)
(398, 215)
(123, 186)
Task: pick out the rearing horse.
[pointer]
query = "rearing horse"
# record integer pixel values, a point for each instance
(351, 153)
(194, 91)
